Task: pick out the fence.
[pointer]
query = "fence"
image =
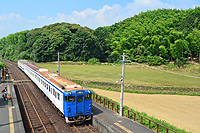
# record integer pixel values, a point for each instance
(130, 114)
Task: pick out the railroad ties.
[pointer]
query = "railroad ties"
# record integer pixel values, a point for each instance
(19, 81)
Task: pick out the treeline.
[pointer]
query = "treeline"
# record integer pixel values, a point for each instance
(74, 42)
(156, 37)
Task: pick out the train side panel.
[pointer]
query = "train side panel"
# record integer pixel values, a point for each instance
(50, 90)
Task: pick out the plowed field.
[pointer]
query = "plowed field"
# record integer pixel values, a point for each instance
(178, 110)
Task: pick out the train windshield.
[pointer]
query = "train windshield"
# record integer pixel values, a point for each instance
(88, 97)
(70, 98)
(79, 99)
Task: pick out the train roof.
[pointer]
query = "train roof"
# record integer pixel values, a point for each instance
(62, 83)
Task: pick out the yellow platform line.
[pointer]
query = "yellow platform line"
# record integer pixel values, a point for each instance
(123, 127)
(12, 129)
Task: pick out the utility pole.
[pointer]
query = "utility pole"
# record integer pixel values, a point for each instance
(122, 83)
(199, 57)
(4, 74)
(34, 57)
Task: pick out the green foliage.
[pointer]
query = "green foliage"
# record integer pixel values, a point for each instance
(2, 64)
(190, 22)
(94, 61)
(154, 60)
(155, 37)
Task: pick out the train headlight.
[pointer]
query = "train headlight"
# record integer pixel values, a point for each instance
(70, 93)
(89, 91)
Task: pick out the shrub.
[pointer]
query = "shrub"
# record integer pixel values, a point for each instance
(154, 60)
(94, 61)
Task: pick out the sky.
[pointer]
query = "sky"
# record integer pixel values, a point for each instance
(20, 15)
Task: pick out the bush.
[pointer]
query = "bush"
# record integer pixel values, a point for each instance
(154, 60)
(94, 61)
(139, 58)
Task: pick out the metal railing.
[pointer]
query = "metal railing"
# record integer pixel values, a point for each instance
(130, 114)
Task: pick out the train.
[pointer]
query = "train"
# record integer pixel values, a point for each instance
(72, 100)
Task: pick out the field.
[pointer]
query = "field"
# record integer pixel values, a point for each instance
(180, 111)
(134, 76)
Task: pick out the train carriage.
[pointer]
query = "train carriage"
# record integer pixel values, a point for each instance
(74, 101)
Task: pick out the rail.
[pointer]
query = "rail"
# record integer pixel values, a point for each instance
(129, 114)
(23, 103)
(82, 128)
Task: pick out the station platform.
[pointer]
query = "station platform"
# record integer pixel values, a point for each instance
(10, 117)
(106, 120)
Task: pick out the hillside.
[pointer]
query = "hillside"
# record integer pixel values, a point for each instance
(74, 41)
(156, 37)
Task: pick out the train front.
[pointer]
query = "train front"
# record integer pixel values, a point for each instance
(77, 105)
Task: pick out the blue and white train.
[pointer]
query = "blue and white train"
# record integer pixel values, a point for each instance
(74, 101)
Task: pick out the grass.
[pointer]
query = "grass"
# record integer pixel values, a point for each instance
(140, 89)
(133, 76)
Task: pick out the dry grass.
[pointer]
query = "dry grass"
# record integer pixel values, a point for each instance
(180, 111)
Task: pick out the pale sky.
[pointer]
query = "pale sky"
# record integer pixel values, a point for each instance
(20, 15)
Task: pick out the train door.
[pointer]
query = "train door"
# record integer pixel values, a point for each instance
(80, 105)
(88, 103)
(69, 106)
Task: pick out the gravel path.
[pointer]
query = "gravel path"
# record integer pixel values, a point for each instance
(180, 111)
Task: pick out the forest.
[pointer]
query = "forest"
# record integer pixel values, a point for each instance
(155, 37)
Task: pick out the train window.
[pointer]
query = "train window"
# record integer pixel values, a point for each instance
(51, 90)
(58, 96)
(88, 97)
(79, 99)
(69, 98)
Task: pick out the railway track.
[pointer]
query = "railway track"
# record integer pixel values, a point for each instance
(36, 124)
(83, 128)
(38, 113)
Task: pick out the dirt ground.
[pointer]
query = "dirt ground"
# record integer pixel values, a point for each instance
(180, 111)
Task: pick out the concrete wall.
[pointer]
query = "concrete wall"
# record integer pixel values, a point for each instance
(102, 126)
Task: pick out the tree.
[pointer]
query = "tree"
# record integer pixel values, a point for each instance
(197, 43)
(163, 51)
